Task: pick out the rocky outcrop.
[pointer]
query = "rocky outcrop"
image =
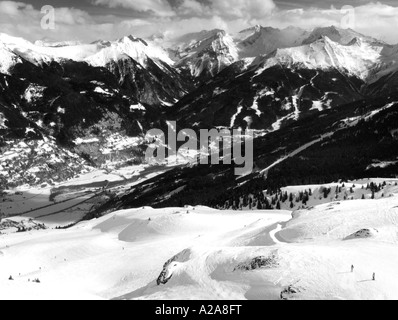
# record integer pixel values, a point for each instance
(20, 226)
(270, 262)
(363, 234)
(171, 265)
(290, 292)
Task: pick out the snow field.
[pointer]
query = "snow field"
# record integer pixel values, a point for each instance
(121, 255)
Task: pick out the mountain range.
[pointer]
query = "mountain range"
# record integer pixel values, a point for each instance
(94, 102)
(310, 221)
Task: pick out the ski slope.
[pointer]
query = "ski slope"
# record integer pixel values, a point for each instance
(207, 254)
(296, 152)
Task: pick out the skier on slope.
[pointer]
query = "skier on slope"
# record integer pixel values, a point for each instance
(352, 269)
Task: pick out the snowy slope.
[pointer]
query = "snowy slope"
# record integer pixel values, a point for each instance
(339, 220)
(202, 51)
(359, 58)
(212, 51)
(135, 48)
(26, 50)
(7, 59)
(209, 52)
(97, 54)
(206, 53)
(210, 254)
(341, 36)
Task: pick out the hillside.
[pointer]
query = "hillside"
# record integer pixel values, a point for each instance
(350, 142)
(208, 254)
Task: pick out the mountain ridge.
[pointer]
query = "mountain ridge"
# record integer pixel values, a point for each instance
(118, 90)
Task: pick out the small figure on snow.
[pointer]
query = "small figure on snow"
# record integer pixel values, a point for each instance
(11, 278)
(352, 269)
(374, 277)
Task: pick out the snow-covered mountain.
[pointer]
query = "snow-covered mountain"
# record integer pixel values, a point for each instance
(73, 118)
(153, 62)
(258, 40)
(97, 54)
(207, 53)
(8, 59)
(63, 91)
(293, 82)
(339, 35)
(363, 59)
(262, 78)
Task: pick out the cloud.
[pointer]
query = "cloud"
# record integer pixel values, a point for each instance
(242, 9)
(23, 20)
(227, 9)
(176, 17)
(374, 19)
(157, 7)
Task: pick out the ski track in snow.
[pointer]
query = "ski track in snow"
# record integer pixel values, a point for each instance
(297, 151)
(350, 122)
(233, 119)
(209, 245)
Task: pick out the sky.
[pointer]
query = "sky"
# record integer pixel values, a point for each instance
(90, 20)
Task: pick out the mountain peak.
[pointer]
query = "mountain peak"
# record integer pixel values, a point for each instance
(257, 28)
(355, 41)
(319, 33)
(332, 29)
(132, 38)
(341, 36)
